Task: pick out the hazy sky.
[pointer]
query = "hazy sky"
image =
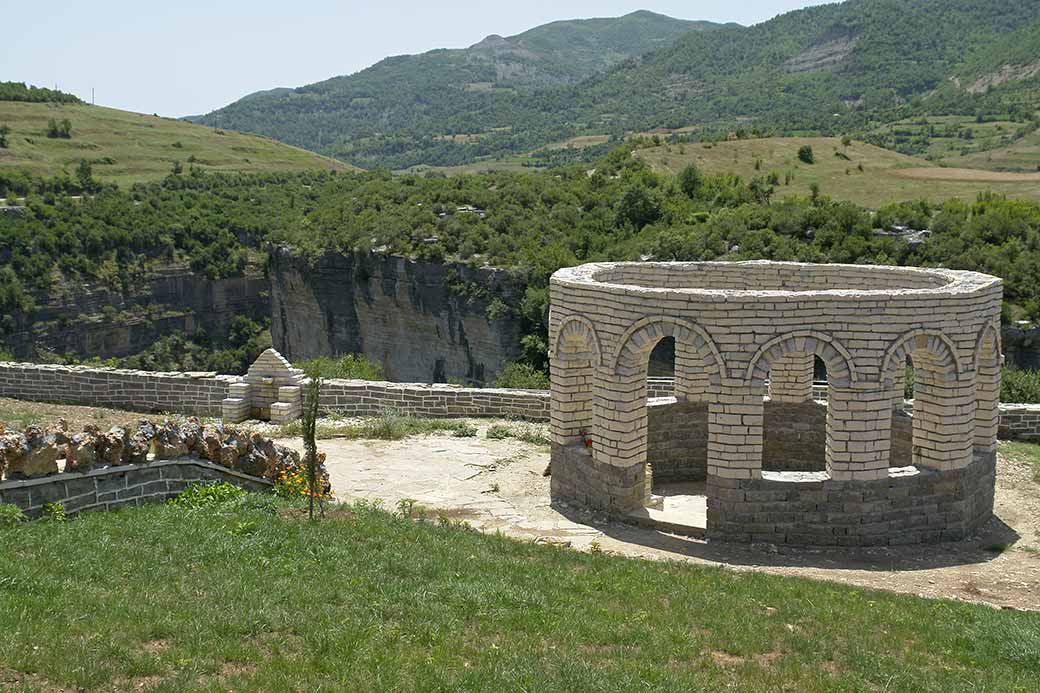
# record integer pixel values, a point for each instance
(190, 57)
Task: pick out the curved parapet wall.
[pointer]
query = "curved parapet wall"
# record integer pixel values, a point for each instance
(748, 329)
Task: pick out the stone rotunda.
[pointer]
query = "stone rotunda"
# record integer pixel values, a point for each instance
(742, 430)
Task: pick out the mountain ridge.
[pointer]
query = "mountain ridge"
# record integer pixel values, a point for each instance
(828, 69)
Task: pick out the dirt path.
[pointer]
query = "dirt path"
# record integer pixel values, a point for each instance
(498, 485)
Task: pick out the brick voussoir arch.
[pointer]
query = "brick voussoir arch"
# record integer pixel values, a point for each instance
(577, 328)
(990, 329)
(933, 341)
(841, 368)
(644, 334)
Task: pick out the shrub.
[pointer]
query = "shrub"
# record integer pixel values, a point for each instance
(10, 515)
(520, 431)
(1020, 386)
(349, 367)
(805, 154)
(199, 495)
(54, 511)
(522, 376)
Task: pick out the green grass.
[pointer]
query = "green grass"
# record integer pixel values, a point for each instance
(231, 596)
(387, 426)
(141, 147)
(884, 178)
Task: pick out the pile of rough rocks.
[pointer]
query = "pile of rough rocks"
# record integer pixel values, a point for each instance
(35, 451)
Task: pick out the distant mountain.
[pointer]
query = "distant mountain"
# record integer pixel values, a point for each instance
(829, 69)
(405, 109)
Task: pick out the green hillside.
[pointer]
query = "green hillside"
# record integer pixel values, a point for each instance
(860, 172)
(126, 148)
(405, 109)
(832, 69)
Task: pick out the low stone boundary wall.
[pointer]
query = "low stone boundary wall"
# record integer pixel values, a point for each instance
(363, 398)
(115, 487)
(201, 394)
(1019, 422)
(196, 394)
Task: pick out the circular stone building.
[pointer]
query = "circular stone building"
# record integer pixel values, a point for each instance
(772, 463)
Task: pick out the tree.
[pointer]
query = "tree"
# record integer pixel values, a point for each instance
(814, 192)
(4, 132)
(310, 443)
(62, 130)
(85, 175)
(690, 180)
(177, 168)
(846, 142)
(638, 206)
(805, 153)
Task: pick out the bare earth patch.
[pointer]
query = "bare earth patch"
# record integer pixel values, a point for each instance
(497, 485)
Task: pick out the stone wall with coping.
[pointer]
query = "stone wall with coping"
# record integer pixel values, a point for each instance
(194, 394)
(115, 487)
(201, 394)
(368, 398)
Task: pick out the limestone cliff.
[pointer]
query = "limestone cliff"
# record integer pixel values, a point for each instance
(91, 319)
(423, 321)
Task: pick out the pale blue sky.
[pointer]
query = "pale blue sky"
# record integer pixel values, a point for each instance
(189, 57)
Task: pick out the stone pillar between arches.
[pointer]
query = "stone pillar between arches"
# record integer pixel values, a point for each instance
(735, 425)
(859, 432)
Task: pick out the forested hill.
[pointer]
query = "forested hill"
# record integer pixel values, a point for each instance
(829, 69)
(839, 65)
(405, 109)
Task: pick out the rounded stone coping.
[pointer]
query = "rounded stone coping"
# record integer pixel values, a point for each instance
(187, 460)
(799, 281)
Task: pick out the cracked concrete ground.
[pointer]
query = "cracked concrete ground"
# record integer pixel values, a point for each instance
(499, 485)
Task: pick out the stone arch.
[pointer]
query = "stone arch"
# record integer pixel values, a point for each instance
(841, 369)
(576, 340)
(987, 363)
(944, 413)
(691, 342)
(991, 330)
(932, 341)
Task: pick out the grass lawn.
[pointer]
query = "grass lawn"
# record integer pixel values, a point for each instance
(887, 176)
(130, 147)
(237, 597)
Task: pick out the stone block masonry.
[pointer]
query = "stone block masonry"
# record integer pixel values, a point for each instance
(193, 394)
(203, 394)
(745, 331)
(116, 487)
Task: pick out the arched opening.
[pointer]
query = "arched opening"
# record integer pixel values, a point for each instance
(942, 424)
(660, 380)
(794, 423)
(902, 446)
(653, 441)
(987, 390)
(573, 363)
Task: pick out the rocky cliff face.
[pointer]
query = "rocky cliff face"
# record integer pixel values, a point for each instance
(423, 321)
(91, 319)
